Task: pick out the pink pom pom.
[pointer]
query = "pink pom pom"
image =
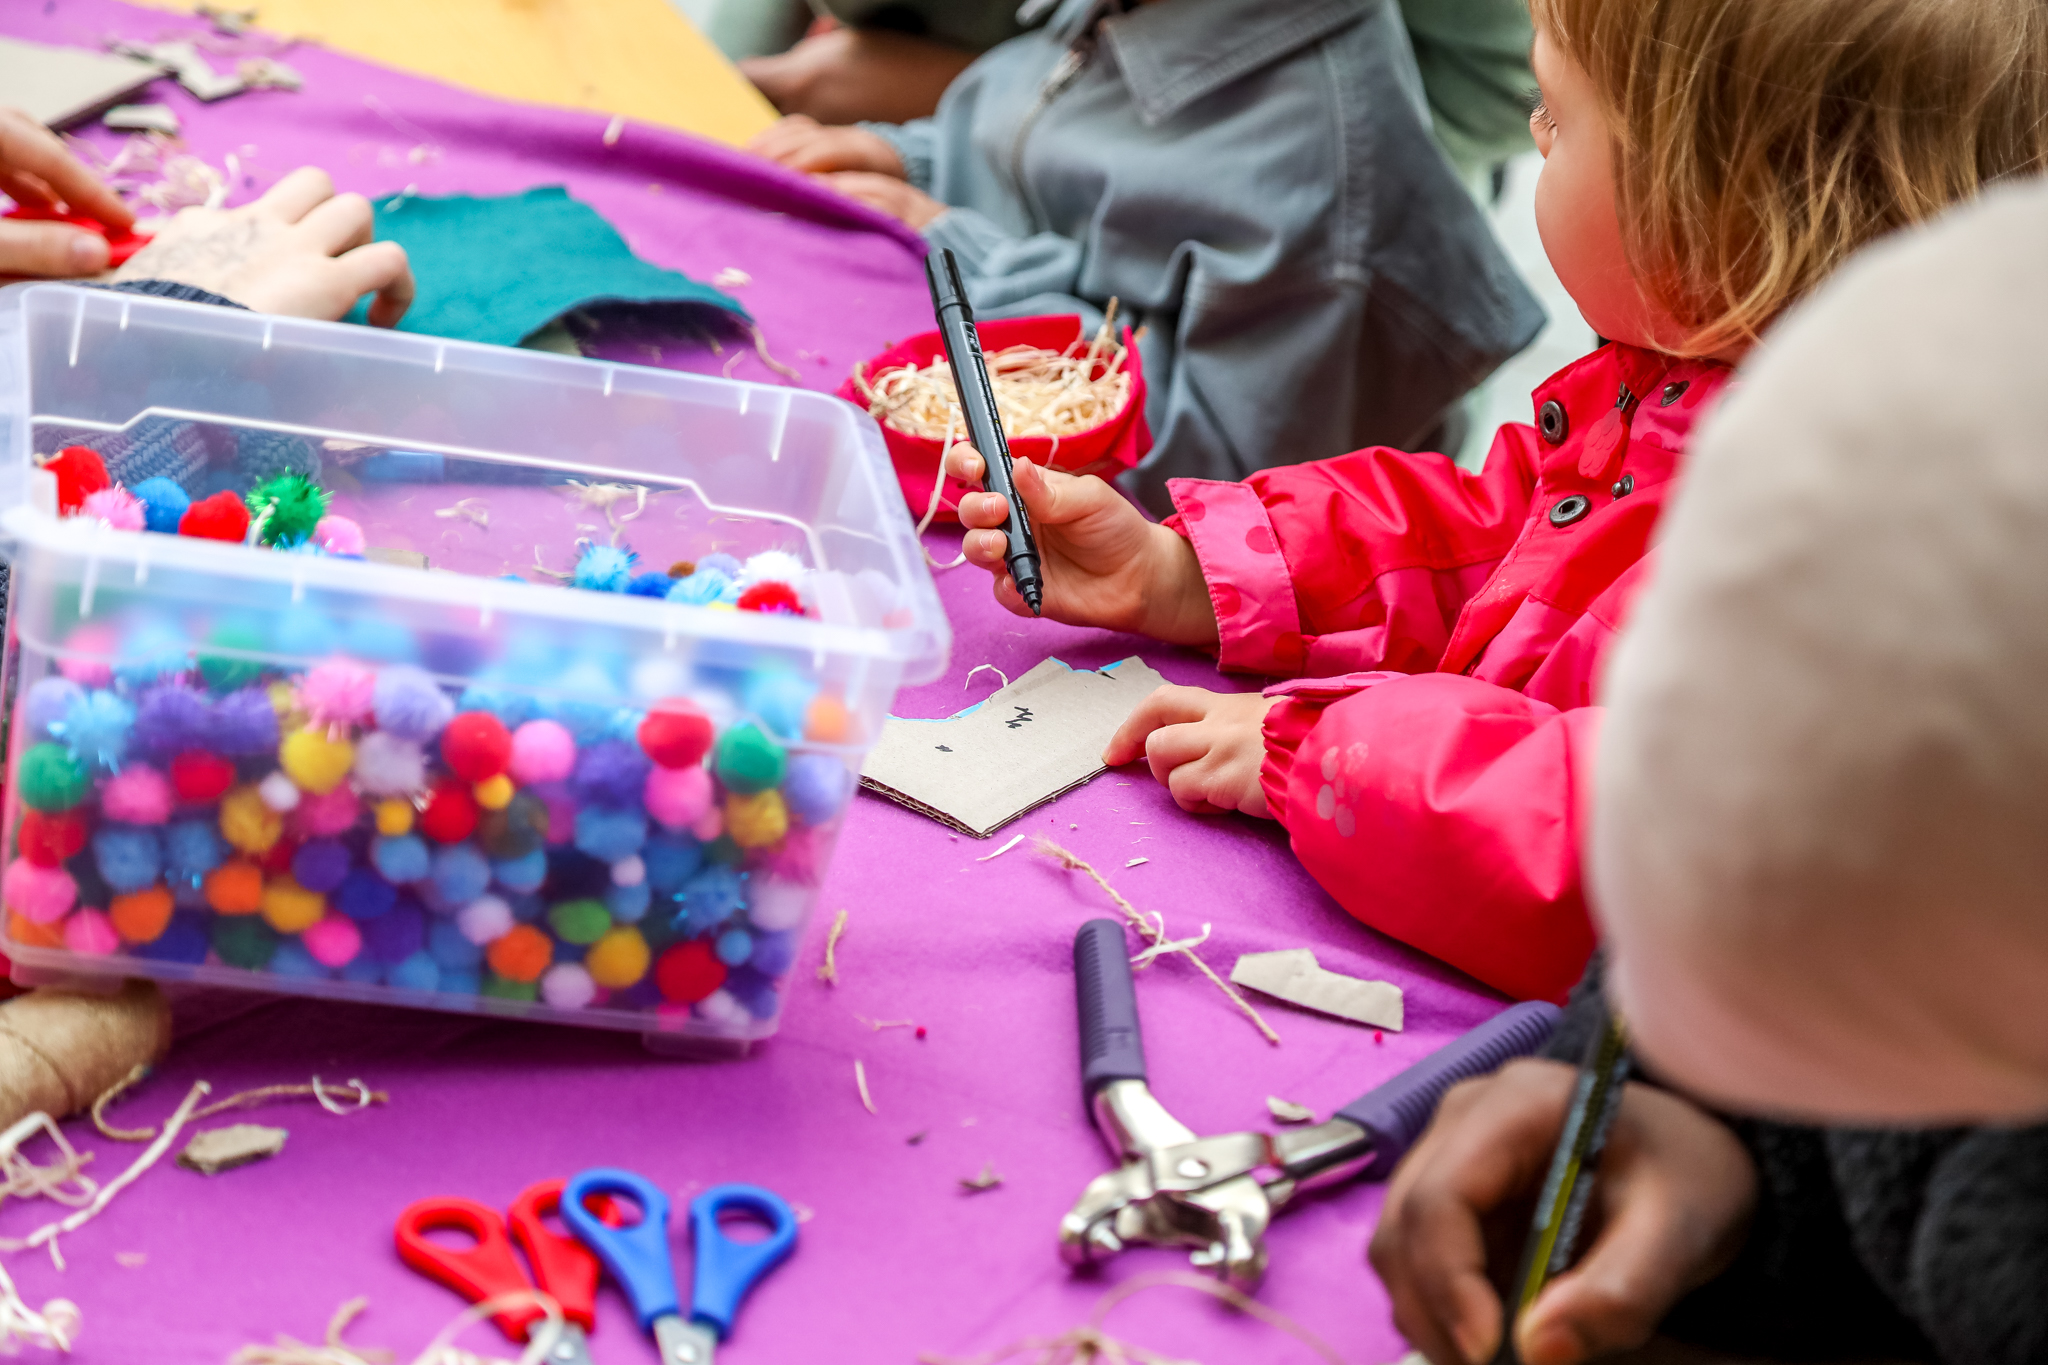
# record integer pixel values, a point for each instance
(338, 536)
(90, 931)
(708, 826)
(542, 751)
(116, 506)
(320, 817)
(678, 797)
(334, 941)
(337, 693)
(137, 795)
(98, 641)
(41, 895)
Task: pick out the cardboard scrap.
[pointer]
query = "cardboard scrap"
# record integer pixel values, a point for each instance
(223, 1149)
(1036, 739)
(58, 86)
(1295, 976)
(143, 118)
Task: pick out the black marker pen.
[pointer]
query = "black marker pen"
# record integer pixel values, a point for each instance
(984, 424)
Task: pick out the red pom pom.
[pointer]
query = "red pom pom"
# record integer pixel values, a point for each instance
(278, 861)
(477, 746)
(688, 972)
(675, 733)
(450, 816)
(80, 473)
(200, 778)
(771, 596)
(220, 517)
(47, 840)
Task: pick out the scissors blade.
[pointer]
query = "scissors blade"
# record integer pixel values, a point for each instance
(572, 1347)
(683, 1343)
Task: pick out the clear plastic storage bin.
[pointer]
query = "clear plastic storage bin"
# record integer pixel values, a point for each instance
(237, 764)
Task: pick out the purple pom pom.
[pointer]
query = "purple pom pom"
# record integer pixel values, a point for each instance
(396, 936)
(320, 865)
(410, 704)
(365, 895)
(172, 717)
(610, 773)
(244, 722)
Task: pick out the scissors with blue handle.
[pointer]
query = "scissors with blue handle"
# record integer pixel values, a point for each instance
(725, 1271)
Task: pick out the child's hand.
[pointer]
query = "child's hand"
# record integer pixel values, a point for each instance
(899, 199)
(1204, 747)
(804, 144)
(1673, 1202)
(301, 250)
(38, 171)
(1103, 563)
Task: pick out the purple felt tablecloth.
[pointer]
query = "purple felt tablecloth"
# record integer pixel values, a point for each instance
(895, 1260)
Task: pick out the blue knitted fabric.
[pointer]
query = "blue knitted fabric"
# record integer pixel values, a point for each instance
(260, 455)
(155, 447)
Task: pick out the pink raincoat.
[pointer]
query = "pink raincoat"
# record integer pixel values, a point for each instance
(1444, 633)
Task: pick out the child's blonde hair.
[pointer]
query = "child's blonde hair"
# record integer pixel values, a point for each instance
(1760, 142)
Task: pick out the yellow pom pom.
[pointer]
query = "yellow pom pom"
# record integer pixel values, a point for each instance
(494, 793)
(288, 907)
(394, 817)
(618, 959)
(284, 699)
(315, 762)
(756, 821)
(247, 823)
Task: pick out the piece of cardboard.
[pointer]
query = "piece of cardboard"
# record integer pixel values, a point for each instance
(58, 86)
(1295, 976)
(1039, 737)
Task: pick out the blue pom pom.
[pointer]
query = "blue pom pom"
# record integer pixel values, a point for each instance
(163, 504)
(459, 982)
(410, 704)
(96, 728)
(418, 972)
(320, 865)
(527, 908)
(460, 875)
(154, 649)
(193, 848)
(454, 655)
(816, 787)
(704, 587)
(588, 701)
(402, 859)
(380, 640)
(756, 992)
(774, 954)
(779, 700)
(604, 568)
(364, 895)
(734, 947)
(292, 959)
(129, 858)
(671, 859)
(609, 835)
(364, 970)
(628, 904)
(46, 704)
(651, 584)
(244, 723)
(722, 563)
(308, 634)
(709, 900)
(611, 773)
(171, 717)
(184, 941)
(513, 708)
(397, 936)
(447, 946)
(522, 874)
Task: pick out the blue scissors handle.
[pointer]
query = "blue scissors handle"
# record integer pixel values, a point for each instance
(637, 1256)
(726, 1271)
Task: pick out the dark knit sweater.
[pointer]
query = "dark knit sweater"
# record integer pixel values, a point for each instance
(1902, 1244)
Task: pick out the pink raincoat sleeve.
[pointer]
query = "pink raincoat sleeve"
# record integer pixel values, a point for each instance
(1442, 811)
(1359, 562)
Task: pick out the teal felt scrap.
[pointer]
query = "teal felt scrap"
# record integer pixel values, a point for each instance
(500, 269)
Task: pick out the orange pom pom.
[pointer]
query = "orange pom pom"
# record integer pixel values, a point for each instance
(235, 888)
(522, 954)
(141, 916)
(28, 934)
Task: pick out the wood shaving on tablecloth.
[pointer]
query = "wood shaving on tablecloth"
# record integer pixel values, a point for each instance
(860, 1078)
(987, 1180)
(828, 971)
(1001, 851)
(440, 1351)
(102, 1195)
(1287, 1111)
(614, 130)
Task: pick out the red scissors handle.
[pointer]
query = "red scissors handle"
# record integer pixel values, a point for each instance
(562, 1265)
(478, 1272)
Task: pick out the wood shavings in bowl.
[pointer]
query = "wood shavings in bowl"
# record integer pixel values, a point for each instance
(1039, 392)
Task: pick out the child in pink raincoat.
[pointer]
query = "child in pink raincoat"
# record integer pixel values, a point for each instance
(1707, 163)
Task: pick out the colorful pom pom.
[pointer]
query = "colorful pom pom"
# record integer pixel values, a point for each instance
(688, 972)
(410, 704)
(286, 508)
(337, 693)
(419, 973)
(675, 733)
(450, 814)
(90, 932)
(192, 848)
(581, 922)
(279, 793)
(334, 941)
(816, 787)
(608, 834)
(314, 762)
(619, 959)
(770, 566)
(225, 665)
(320, 865)
(244, 723)
(476, 745)
(654, 584)
(401, 860)
(703, 588)
(44, 706)
(200, 778)
(522, 874)
(142, 916)
(460, 874)
(775, 599)
(629, 871)
(247, 823)
(494, 793)
(485, 920)
(235, 888)
(244, 941)
(567, 986)
(137, 795)
(394, 815)
(327, 814)
(117, 507)
(128, 857)
(734, 947)
(80, 473)
(163, 504)
(610, 772)
(220, 517)
(389, 766)
(756, 821)
(364, 895)
(41, 895)
(628, 904)
(97, 728)
(747, 760)
(449, 947)
(827, 721)
(340, 536)
(290, 908)
(604, 568)
(677, 797)
(48, 839)
(522, 954)
(542, 751)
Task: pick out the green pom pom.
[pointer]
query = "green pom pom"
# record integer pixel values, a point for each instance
(287, 507)
(244, 941)
(51, 779)
(748, 761)
(497, 987)
(580, 922)
(224, 674)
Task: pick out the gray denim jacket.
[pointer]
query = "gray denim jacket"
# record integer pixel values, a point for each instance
(1256, 181)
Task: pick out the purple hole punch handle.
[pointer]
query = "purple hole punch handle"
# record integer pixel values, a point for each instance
(1111, 1047)
(1395, 1114)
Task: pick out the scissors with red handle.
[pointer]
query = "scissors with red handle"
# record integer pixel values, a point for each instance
(563, 1268)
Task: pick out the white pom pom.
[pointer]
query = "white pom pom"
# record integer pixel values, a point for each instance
(389, 766)
(567, 986)
(630, 871)
(485, 920)
(778, 905)
(772, 566)
(278, 792)
(722, 1010)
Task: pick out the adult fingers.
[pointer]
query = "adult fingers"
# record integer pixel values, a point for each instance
(784, 137)
(339, 224)
(28, 147)
(50, 250)
(1168, 705)
(294, 196)
(381, 267)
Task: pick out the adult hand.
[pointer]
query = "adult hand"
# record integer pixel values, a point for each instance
(804, 144)
(899, 199)
(1204, 747)
(38, 171)
(1102, 562)
(845, 75)
(301, 250)
(1671, 1206)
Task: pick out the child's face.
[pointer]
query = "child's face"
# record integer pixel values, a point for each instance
(1575, 203)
